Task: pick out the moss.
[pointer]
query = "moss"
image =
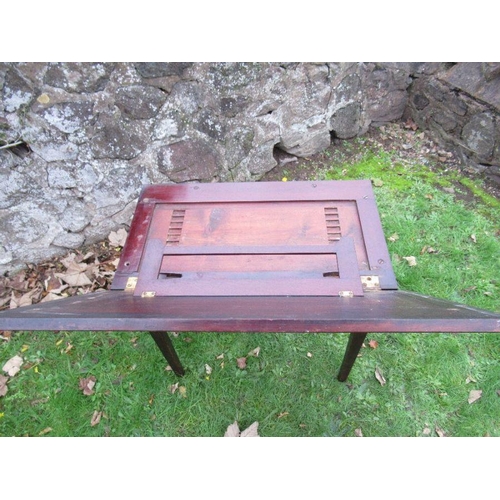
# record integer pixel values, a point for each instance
(480, 193)
(381, 168)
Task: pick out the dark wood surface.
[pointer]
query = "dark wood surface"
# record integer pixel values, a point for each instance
(383, 311)
(199, 218)
(255, 257)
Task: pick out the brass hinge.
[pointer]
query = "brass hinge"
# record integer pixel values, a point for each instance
(346, 293)
(131, 283)
(370, 282)
(147, 294)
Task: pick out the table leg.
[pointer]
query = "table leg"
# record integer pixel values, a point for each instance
(351, 353)
(166, 347)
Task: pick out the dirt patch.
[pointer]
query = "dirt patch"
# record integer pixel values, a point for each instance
(404, 140)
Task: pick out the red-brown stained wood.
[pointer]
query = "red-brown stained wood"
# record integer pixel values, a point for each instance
(255, 257)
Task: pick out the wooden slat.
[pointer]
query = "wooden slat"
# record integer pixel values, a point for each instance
(385, 311)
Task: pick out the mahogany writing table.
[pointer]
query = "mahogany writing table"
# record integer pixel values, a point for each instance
(255, 257)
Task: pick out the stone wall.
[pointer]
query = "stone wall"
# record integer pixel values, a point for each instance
(460, 106)
(79, 140)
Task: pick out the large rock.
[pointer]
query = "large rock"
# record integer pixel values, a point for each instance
(189, 160)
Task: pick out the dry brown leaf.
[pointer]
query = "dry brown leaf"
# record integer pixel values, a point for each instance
(379, 376)
(470, 379)
(117, 238)
(498, 393)
(358, 433)
(24, 300)
(426, 431)
(173, 388)
(75, 274)
(394, 237)
(474, 395)
(440, 432)
(473, 238)
(45, 431)
(182, 391)
(373, 344)
(13, 365)
(412, 261)
(283, 414)
(87, 385)
(208, 369)
(96, 418)
(5, 335)
(52, 296)
(309, 355)
(254, 352)
(220, 356)
(3, 385)
(251, 431)
(233, 430)
(242, 363)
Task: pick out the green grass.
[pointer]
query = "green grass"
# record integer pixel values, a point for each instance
(289, 392)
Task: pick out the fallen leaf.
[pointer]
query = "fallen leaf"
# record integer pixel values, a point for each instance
(220, 356)
(45, 431)
(309, 355)
(426, 431)
(469, 379)
(440, 432)
(87, 385)
(412, 261)
(24, 300)
(473, 238)
(3, 385)
(474, 395)
(394, 237)
(75, 275)
(13, 365)
(52, 296)
(255, 352)
(208, 369)
(182, 391)
(5, 335)
(283, 414)
(378, 182)
(498, 393)
(379, 376)
(242, 363)
(358, 433)
(251, 431)
(117, 238)
(232, 430)
(96, 418)
(373, 344)
(173, 388)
